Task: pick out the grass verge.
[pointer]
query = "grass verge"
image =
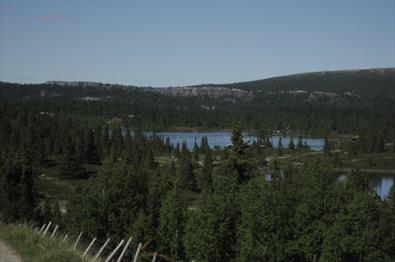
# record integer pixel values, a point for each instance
(34, 247)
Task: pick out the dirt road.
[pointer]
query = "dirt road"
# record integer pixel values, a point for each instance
(7, 254)
(366, 170)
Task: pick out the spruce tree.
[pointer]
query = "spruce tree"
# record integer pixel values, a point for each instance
(355, 233)
(91, 153)
(185, 171)
(268, 143)
(18, 198)
(280, 147)
(238, 159)
(291, 144)
(327, 147)
(172, 223)
(195, 152)
(300, 143)
(210, 231)
(204, 147)
(70, 166)
(206, 173)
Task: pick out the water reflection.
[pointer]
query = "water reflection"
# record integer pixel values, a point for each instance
(383, 185)
(223, 138)
(380, 184)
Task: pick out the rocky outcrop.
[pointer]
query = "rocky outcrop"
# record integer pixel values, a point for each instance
(205, 91)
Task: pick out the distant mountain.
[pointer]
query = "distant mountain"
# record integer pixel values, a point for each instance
(329, 86)
(312, 102)
(366, 82)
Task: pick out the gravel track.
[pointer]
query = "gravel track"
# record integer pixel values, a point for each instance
(7, 254)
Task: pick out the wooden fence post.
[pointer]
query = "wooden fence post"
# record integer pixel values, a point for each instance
(42, 228)
(137, 252)
(155, 255)
(46, 229)
(89, 247)
(115, 251)
(54, 231)
(101, 250)
(65, 237)
(78, 240)
(124, 250)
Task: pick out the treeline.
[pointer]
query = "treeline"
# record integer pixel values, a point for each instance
(240, 214)
(32, 141)
(366, 82)
(135, 107)
(199, 207)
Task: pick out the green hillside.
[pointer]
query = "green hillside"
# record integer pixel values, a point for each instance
(365, 82)
(33, 247)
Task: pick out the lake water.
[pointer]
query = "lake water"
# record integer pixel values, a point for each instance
(222, 139)
(380, 184)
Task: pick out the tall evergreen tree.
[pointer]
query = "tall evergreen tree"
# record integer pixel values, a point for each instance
(210, 231)
(206, 172)
(354, 235)
(195, 152)
(327, 147)
(91, 152)
(239, 159)
(280, 147)
(18, 198)
(70, 165)
(291, 144)
(109, 206)
(172, 223)
(300, 143)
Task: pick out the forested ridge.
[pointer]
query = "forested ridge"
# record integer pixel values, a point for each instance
(309, 104)
(364, 82)
(78, 156)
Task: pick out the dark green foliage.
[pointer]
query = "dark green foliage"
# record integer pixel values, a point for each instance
(315, 210)
(300, 143)
(70, 165)
(327, 147)
(239, 160)
(204, 147)
(91, 153)
(195, 152)
(387, 225)
(264, 230)
(268, 143)
(359, 81)
(355, 234)
(152, 111)
(18, 198)
(185, 172)
(238, 145)
(210, 231)
(154, 204)
(205, 205)
(172, 223)
(206, 173)
(291, 144)
(31, 246)
(110, 206)
(280, 147)
(50, 212)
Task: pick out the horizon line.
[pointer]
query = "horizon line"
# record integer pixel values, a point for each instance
(202, 84)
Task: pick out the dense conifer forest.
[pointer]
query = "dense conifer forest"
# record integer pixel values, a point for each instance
(77, 155)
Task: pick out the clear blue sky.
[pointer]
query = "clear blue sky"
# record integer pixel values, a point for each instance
(168, 42)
